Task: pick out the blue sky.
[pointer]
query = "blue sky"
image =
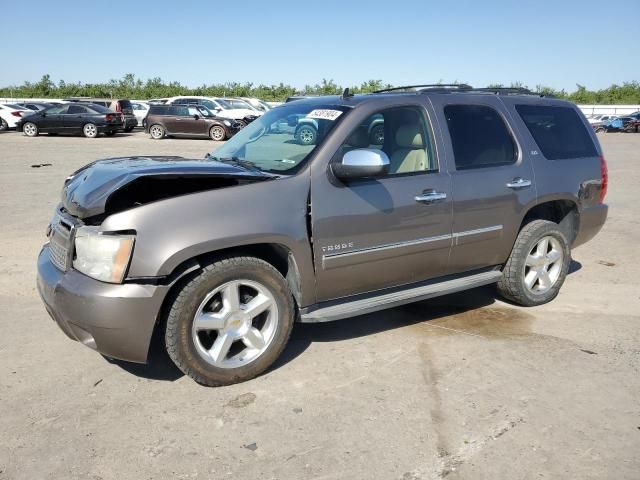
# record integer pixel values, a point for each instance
(556, 43)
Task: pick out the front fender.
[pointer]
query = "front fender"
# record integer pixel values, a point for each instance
(172, 231)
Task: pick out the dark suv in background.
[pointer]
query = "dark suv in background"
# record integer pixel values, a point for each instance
(462, 187)
(122, 106)
(188, 121)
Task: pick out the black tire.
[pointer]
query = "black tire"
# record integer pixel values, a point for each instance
(187, 300)
(157, 131)
(30, 129)
(241, 124)
(217, 133)
(601, 130)
(307, 135)
(376, 137)
(128, 129)
(4, 126)
(512, 284)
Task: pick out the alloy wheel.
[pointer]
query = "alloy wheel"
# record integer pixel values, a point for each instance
(543, 265)
(30, 130)
(235, 324)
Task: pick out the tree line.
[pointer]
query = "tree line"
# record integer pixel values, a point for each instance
(131, 87)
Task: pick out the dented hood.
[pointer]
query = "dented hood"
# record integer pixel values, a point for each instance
(88, 191)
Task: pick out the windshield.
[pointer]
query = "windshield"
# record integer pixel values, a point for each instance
(281, 140)
(223, 103)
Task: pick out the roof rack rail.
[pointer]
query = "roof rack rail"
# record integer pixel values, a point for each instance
(428, 86)
(511, 91)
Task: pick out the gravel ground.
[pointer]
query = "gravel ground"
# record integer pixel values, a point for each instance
(464, 386)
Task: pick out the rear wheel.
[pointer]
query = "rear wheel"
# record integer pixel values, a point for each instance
(537, 266)
(90, 130)
(217, 133)
(3, 125)
(230, 322)
(156, 132)
(30, 129)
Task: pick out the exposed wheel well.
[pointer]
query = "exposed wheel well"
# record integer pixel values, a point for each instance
(562, 212)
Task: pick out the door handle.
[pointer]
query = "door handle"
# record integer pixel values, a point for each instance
(431, 197)
(519, 182)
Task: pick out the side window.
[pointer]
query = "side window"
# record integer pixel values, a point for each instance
(77, 109)
(479, 137)
(558, 131)
(194, 111)
(58, 110)
(180, 110)
(403, 134)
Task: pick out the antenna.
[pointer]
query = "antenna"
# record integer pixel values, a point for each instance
(346, 94)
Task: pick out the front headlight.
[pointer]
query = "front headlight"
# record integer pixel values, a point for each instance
(100, 256)
(227, 123)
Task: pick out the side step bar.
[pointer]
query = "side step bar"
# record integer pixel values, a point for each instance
(352, 308)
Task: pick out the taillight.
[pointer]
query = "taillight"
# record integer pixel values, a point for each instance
(108, 117)
(604, 182)
(16, 114)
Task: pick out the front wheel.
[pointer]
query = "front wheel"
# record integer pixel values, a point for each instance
(217, 133)
(30, 129)
(3, 125)
(230, 322)
(537, 266)
(90, 130)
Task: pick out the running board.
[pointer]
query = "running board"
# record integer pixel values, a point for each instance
(388, 300)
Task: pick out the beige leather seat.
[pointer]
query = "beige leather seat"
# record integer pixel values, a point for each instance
(410, 155)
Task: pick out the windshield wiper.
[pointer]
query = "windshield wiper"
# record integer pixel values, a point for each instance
(247, 164)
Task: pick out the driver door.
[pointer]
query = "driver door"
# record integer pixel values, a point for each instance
(374, 233)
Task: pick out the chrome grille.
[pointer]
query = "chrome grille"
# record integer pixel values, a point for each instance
(61, 234)
(58, 255)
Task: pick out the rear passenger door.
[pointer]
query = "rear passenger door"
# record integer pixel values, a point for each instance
(492, 179)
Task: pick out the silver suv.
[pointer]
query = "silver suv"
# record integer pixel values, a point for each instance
(458, 188)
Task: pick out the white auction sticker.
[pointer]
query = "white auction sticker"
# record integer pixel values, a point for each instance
(324, 114)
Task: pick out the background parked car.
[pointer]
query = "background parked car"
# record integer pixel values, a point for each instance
(116, 105)
(257, 103)
(188, 121)
(10, 116)
(35, 106)
(220, 107)
(140, 110)
(87, 119)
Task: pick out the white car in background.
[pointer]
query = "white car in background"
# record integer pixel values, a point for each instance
(140, 110)
(256, 103)
(220, 107)
(11, 114)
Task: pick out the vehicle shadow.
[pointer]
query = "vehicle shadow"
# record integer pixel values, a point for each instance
(304, 334)
(161, 367)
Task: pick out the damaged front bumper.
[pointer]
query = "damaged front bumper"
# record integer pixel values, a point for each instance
(117, 320)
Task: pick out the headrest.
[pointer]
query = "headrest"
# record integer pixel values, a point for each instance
(359, 138)
(409, 136)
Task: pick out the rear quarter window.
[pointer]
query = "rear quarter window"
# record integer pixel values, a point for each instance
(558, 131)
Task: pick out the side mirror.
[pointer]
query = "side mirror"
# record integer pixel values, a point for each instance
(44, 114)
(196, 116)
(360, 163)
